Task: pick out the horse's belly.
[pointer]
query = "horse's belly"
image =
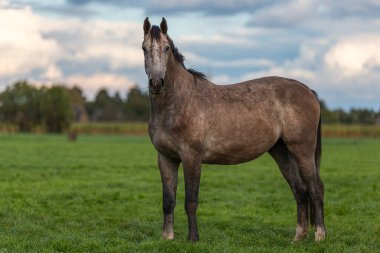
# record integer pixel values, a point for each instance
(227, 152)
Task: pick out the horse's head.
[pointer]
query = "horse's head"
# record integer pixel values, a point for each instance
(156, 47)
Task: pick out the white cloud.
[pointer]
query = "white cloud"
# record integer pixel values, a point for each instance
(353, 56)
(338, 44)
(3, 3)
(53, 74)
(116, 43)
(95, 82)
(33, 47)
(346, 70)
(22, 45)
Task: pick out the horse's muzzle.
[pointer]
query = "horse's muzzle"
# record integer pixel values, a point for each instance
(156, 85)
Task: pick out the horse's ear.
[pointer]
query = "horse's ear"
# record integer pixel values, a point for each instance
(164, 26)
(146, 26)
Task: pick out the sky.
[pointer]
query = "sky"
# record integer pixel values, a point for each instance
(332, 46)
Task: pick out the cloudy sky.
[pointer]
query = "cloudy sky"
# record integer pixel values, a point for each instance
(332, 46)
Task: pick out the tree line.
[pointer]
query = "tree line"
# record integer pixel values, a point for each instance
(54, 108)
(362, 116)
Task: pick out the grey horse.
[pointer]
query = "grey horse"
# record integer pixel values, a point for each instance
(194, 121)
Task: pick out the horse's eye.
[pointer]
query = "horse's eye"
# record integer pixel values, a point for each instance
(166, 49)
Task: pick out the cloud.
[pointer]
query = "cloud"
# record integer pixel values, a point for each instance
(44, 50)
(344, 72)
(330, 45)
(115, 43)
(355, 56)
(210, 7)
(287, 13)
(305, 13)
(352, 8)
(156, 7)
(95, 82)
(248, 62)
(4, 3)
(23, 48)
(271, 13)
(109, 2)
(214, 39)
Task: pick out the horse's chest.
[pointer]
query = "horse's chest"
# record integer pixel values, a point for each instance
(162, 141)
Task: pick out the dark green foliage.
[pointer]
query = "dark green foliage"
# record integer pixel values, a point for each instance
(103, 194)
(105, 107)
(20, 105)
(113, 108)
(327, 115)
(354, 116)
(137, 105)
(56, 109)
(29, 107)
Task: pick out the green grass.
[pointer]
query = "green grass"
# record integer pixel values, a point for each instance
(103, 194)
(111, 128)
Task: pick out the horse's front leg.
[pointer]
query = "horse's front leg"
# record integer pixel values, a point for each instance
(169, 177)
(192, 173)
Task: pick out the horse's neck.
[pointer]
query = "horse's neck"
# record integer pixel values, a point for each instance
(179, 84)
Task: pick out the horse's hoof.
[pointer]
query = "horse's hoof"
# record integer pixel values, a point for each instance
(194, 238)
(300, 234)
(168, 235)
(299, 237)
(320, 234)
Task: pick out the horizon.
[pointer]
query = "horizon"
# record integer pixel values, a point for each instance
(331, 47)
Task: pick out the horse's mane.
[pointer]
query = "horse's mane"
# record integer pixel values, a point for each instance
(155, 34)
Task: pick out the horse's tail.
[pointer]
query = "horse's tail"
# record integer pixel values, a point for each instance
(318, 154)
(318, 148)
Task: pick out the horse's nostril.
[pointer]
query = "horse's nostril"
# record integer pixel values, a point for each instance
(156, 83)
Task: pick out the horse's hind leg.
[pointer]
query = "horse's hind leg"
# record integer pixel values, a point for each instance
(289, 170)
(169, 176)
(304, 154)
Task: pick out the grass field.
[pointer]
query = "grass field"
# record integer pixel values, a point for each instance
(103, 194)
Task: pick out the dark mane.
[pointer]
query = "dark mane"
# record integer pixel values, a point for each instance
(196, 73)
(181, 59)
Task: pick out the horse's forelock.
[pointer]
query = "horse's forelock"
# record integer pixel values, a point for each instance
(155, 33)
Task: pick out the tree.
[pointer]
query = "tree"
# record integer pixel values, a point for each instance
(106, 107)
(20, 105)
(137, 105)
(364, 116)
(56, 109)
(327, 115)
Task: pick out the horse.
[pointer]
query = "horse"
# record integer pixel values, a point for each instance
(195, 121)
